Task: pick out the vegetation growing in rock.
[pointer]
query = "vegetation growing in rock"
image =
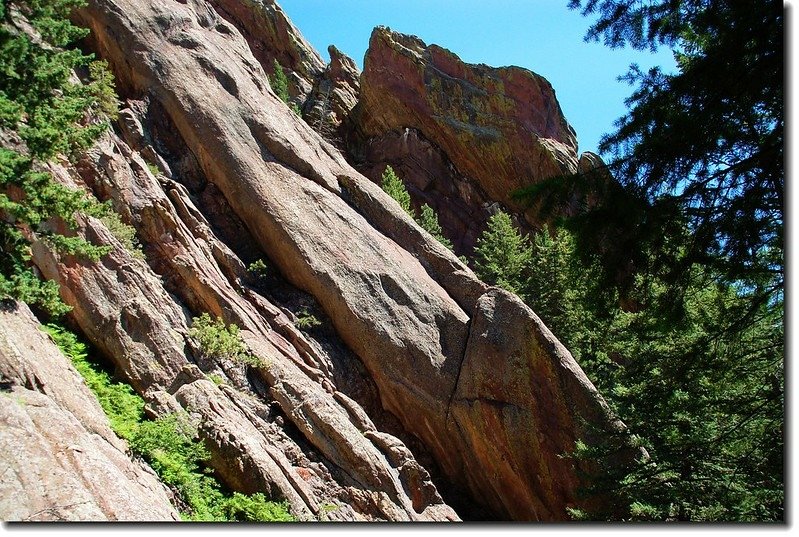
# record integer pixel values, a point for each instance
(280, 85)
(394, 187)
(705, 399)
(220, 340)
(428, 219)
(502, 255)
(124, 233)
(259, 267)
(44, 113)
(168, 444)
(279, 82)
(307, 320)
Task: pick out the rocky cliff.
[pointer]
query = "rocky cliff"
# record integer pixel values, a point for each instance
(424, 394)
(464, 136)
(59, 459)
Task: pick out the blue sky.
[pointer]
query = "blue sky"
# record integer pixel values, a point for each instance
(541, 35)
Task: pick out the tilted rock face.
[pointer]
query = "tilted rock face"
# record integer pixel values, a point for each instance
(468, 370)
(417, 318)
(464, 136)
(325, 93)
(58, 456)
(249, 449)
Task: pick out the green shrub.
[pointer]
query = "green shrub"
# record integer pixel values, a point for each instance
(218, 340)
(123, 233)
(428, 220)
(216, 379)
(255, 507)
(394, 187)
(153, 168)
(279, 82)
(307, 320)
(261, 269)
(124, 408)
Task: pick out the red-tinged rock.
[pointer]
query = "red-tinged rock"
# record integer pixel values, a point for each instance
(334, 96)
(272, 36)
(477, 133)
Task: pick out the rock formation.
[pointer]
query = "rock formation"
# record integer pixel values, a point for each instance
(422, 377)
(335, 95)
(272, 37)
(463, 136)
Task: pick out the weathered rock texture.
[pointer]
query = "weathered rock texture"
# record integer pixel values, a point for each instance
(271, 36)
(143, 327)
(463, 136)
(419, 368)
(335, 95)
(58, 456)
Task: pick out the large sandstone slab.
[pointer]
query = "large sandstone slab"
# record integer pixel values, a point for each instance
(463, 136)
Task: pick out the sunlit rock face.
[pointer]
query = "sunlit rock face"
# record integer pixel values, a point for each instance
(464, 136)
(422, 377)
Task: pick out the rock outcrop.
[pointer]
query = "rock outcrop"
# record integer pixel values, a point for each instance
(59, 459)
(272, 37)
(421, 375)
(141, 321)
(335, 95)
(463, 136)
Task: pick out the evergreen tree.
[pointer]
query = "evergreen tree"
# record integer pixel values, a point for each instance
(394, 187)
(280, 85)
(428, 219)
(44, 113)
(565, 294)
(687, 224)
(279, 82)
(502, 255)
(704, 145)
(706, 403)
